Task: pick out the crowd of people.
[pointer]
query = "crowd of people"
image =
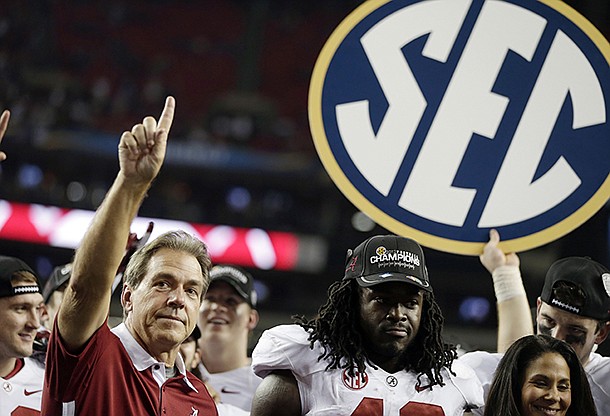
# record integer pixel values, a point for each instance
(375, 347)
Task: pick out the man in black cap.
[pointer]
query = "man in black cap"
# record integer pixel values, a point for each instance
(375, 347)
(53, 292)
(227, 318)
(574, 306)
(20, 309)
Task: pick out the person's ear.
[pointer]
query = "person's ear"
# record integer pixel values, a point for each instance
(253, 319)
(44, 316)
(126, 298)
(602, 334)
(538, 306)
(196, 358)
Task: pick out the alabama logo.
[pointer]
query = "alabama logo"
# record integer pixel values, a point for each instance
(442, 119)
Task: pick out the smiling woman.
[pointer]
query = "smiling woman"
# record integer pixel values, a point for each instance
(540, 375)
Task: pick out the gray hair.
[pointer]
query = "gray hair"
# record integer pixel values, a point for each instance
(174, 240)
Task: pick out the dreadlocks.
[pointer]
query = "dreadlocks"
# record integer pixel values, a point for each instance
(342, 343)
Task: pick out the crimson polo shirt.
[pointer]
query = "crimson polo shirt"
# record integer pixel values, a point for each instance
(114, 376)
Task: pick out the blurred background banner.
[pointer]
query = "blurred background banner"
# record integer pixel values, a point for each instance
(267, 250)
(444, 119)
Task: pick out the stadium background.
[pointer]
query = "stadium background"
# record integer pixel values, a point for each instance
(76, 74)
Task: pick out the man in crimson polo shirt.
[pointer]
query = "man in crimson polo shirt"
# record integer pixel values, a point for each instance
(135, 368)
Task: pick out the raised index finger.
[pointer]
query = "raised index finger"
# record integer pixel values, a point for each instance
(4, 122)
(167, 116)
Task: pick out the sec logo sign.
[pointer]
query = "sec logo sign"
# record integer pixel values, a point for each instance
(442, 119)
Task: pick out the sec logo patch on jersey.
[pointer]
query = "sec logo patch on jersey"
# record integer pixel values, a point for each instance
(442, 119)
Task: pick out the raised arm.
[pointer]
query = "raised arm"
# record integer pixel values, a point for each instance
(87, 298)
(3, 126)
(277, 395)
(514, 316)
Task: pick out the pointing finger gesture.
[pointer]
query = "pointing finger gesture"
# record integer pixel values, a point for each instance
(142, 150)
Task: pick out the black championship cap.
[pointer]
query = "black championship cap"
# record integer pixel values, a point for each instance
(59, 276)
(8, 267)
(590, 277)
(387, 258)
(238, 278)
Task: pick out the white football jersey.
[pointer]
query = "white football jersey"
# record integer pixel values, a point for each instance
(376, 392)
(21, 394)
(236, 387)
(484, 365)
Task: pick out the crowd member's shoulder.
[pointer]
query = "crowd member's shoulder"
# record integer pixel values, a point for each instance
(476, 359)
(465, 379)
(598, 364)
(287, 334)
(285, 347)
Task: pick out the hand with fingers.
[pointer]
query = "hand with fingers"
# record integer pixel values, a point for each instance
(3, 126)
(493, 257)
(142, 150)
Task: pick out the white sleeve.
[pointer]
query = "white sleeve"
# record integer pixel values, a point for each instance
(285, 347)
(484, 365)
(466, 381)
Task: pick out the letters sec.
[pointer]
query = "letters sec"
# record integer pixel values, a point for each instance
(441, 119)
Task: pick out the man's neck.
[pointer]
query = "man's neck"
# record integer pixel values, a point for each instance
(7, 365)
(164, 355)
(218, 360)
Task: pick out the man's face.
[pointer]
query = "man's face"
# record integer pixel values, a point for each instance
(20, 319)
(578, 331)
(225, 316)
(162, 310)
(390, 315)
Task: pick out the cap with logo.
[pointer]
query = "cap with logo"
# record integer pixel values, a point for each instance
(59, 276)
(592, 278)
(238, 278)
(8, 267)
(387, 258)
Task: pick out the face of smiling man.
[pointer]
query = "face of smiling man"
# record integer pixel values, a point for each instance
(225, 315)
(20, 317)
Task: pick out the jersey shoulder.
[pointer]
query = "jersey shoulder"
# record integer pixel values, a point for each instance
(465, 380)
(286, 347)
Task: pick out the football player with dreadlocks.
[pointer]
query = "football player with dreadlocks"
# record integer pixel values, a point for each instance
(375, 347)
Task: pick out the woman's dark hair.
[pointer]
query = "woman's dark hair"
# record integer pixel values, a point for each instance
(336, 328)
(505, 392)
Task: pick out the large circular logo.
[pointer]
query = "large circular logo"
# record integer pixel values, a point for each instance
(442, 119)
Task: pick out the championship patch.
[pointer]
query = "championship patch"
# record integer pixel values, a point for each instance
(443, 119)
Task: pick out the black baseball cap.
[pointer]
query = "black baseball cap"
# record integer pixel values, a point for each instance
(592, 278)
(196, 334)
(59, 276)
(387, 258)
(238, 278)
(8, 267)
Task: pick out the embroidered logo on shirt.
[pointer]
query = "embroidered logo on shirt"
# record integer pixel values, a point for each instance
(194, 412)
(26, 392)
(419, 388)
(226, 390)
(357, 381)
(392, 381)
